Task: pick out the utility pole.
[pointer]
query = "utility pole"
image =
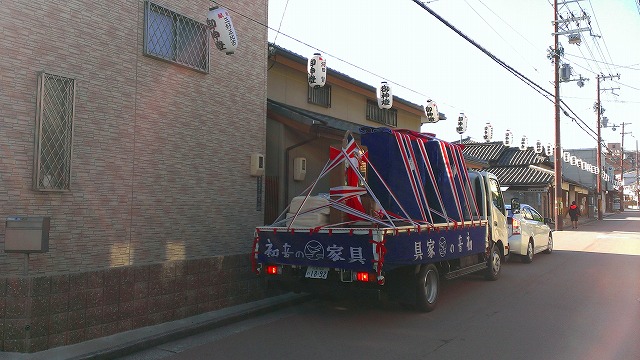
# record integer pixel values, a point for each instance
(622, 167)
(562, 27)
(598, 146)
(557, 164)
(637, 185)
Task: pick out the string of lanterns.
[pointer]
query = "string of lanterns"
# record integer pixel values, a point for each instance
(317, 77)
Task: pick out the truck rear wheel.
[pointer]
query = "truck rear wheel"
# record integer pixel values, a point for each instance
(494, 264)
(427, 288)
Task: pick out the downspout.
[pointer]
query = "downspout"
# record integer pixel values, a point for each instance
(286, 161)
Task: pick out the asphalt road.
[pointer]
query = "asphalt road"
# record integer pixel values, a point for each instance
(580, 302)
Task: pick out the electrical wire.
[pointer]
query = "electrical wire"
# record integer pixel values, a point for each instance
(539, 89)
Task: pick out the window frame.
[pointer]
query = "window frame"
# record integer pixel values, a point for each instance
(313, 96)
(44, 125)
(388, 117)
(177, 49)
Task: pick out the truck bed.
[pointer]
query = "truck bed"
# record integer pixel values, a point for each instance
(368, 249)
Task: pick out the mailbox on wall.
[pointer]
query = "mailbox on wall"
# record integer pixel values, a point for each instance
(27, 234)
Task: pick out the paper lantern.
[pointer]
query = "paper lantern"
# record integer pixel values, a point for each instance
(539, 147)
(431, 112)
(488, 132)
(548, 149)
(574, 160)
(524, 142)
(385, 98)
(222, 31)
(566, 156)
(508, 138)
(317, 71)
(583, 165)
(462, 124)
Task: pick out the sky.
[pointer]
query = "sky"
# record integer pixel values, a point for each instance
(401, 43)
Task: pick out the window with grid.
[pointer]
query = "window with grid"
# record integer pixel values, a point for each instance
(320, 96)
(383, 116)
(54, 132)
(176, 38)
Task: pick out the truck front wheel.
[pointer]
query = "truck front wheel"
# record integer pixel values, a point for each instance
(427, 288)
(494, 263)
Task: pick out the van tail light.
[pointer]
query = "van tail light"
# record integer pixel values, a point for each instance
(515, 226)
(273, 270)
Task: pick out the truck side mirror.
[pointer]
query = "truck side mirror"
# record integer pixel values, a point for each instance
(515, 205)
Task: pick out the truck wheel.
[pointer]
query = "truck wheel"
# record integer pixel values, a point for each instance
(494, 264)
(427, 288)
(528, 258)
(549, 245)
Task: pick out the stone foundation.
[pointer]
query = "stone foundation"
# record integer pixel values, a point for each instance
(42, 312)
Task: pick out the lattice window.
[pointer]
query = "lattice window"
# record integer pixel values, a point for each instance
(54, 132)
(383, 116)
(176, 38)
(320, 96)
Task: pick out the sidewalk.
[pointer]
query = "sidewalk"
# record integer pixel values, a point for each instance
(129, 342)
(582, 220)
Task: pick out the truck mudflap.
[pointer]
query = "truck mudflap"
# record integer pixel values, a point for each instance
(372, 250)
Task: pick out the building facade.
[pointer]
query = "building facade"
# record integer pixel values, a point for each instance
(125, 126)
(303, 122)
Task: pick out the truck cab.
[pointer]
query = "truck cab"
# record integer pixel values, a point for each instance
(492, 208)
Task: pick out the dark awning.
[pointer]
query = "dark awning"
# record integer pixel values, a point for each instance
(277, 111)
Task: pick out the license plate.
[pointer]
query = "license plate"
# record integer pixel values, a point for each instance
(314, 272)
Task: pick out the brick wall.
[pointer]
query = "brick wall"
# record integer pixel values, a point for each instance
(161, 153)
(41, 312)
(160, 171)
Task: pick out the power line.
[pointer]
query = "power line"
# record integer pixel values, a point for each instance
(520, 76)
(616, 66)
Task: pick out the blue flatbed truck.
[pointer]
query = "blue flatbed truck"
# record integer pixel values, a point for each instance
(412, 216)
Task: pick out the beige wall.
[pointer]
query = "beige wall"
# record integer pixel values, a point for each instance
(289, 86)
(161, 153)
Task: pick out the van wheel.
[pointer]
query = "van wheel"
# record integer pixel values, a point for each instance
(528, 258)
(427, 288)
(494, 264)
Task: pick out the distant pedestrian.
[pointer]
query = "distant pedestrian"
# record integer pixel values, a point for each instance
(574, 213)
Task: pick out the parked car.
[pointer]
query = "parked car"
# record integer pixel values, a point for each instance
(529, 232)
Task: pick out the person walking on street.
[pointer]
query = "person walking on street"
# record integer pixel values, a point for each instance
(574, 213)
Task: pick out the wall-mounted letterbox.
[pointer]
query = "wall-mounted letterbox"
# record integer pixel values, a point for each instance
(27, 234)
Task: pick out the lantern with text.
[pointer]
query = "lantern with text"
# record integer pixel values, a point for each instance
(524, 142)
(508, 138)
(385, 98)
(317, 71)
(597, 170)
(462, 123)
(566, 156)
(539, 147)
(431, 112)
(574, 160)
(548, 149)
(222, 31)
(583, 165)
(488, 132)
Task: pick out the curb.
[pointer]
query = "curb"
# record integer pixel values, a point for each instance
(136, 340)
